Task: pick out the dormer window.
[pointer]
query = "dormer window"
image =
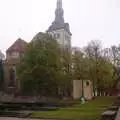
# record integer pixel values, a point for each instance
(15, 54)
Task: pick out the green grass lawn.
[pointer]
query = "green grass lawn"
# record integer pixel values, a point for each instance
(91, 110)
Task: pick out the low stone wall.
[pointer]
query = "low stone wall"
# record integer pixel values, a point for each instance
(112, 113)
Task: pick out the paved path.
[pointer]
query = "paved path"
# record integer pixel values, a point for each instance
(11, 118)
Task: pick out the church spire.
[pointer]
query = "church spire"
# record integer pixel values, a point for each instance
(59, 4)
(59, 23)
(59, 13)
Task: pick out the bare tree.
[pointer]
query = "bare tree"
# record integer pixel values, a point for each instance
(93, 52)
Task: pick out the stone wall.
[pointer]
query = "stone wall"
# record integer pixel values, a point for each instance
(87, 89)
(77, 89)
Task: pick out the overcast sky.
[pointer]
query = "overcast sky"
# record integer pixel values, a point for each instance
(88, 19)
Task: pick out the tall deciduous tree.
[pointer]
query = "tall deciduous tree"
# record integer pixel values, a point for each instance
(100, 66)
(66, 77)
(40, 67)
(80, 69)
(80, 65)
(93, 52)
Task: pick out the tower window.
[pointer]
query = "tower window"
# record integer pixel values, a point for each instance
(67, 37)
(54, 36)
(57, 35)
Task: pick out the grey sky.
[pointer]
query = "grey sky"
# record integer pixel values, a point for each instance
(88, 19)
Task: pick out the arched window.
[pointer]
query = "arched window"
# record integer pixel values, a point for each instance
(87, 83)
(11, 77)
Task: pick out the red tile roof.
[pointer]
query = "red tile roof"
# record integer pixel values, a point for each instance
(17, 46)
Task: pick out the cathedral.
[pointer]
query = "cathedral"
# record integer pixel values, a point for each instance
(58, 30)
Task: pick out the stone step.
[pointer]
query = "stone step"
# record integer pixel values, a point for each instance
(108, 115)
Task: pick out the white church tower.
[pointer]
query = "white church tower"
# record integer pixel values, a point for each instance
(59, 29)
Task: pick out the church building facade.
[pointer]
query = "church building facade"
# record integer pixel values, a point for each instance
(13, 56)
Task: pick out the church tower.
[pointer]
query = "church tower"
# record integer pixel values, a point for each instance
(59, 29)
